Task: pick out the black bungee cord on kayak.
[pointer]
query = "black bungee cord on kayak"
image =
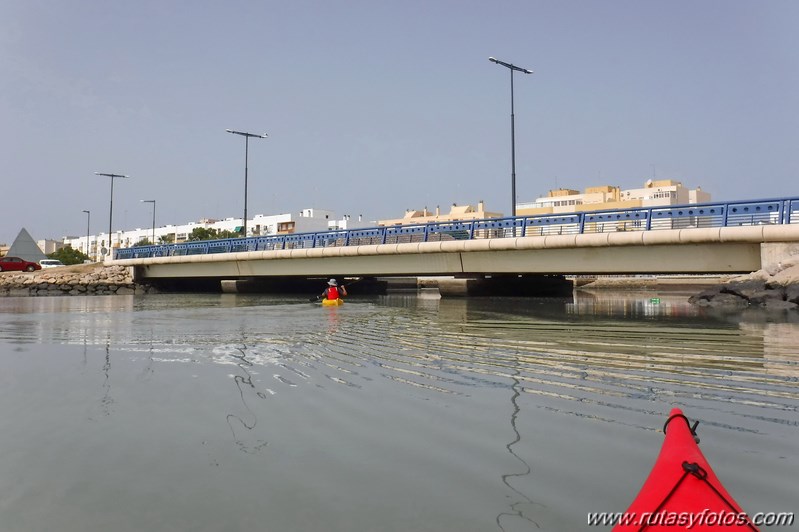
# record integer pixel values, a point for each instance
(687, 422)
(697, 471)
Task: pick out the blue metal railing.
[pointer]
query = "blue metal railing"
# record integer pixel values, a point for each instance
(701, 215)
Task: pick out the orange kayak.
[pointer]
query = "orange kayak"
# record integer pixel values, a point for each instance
(682, 491)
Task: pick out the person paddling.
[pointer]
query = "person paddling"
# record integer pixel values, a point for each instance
(333, 290)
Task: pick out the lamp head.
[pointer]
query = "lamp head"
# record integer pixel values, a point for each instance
(245, 134)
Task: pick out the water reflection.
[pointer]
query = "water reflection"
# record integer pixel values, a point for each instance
(517, 508)
(244, 424)
(780, 352)
(597, 348)
(610, 351)
(647, 304)
(333, 320)
(149, 369)
(107, 402)
(487, 397)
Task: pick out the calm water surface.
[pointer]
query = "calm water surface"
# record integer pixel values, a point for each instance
(397, 413)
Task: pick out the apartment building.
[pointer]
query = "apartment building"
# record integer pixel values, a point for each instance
(456, 213)
(654, 193)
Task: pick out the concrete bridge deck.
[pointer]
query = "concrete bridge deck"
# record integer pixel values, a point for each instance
(704, 250)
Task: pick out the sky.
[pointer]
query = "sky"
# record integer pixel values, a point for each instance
(376, 107)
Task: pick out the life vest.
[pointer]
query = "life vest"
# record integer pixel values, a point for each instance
(332, 292)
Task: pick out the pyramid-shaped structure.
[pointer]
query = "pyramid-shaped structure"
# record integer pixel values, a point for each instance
(25, 248)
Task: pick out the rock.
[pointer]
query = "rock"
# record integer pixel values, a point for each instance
(778, 304)
(787, 276)
(744, 289)
(775, 288)
(78, 280)
(765, 296)
(705, 295)
(727, 300)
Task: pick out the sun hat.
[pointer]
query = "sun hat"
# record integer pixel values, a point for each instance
(332, 282)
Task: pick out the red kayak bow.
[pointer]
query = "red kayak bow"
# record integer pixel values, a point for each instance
(682, 491)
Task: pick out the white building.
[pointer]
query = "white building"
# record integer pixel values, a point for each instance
(306, 221)
(49, 246)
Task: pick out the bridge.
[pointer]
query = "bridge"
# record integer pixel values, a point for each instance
(722, 238)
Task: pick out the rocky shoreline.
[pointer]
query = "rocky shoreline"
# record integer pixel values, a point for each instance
(82, 279)
(667, 283)
(773, 288)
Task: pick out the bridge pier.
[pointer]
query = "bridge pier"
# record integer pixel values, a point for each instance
(506, 285)
(774, 253)
(235, 286)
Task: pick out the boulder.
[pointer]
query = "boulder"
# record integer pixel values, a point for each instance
(705, 295)
(764, 297)
(745, 289)
(778, 304)
(727, 300)
(776, 288)
(792, 293)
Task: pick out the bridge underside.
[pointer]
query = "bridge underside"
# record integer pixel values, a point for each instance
(731, 257)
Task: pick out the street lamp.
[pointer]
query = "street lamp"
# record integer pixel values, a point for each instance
(153, 202)
(88, 224)
(111, 210)
(512, 68)
(246, 154)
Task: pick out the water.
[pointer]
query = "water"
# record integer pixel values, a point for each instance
(401, 412)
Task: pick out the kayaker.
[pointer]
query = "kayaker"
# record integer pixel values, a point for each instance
(333, 290)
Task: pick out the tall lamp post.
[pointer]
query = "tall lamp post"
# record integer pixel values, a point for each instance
(153, 202)
(88, 225)
(111, 210)
(512, 68)
(246, 155)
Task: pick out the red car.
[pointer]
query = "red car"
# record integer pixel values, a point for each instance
(8, 264)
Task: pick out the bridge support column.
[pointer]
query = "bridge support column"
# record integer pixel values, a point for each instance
(774, 253)
(231, 286)
(507, 285)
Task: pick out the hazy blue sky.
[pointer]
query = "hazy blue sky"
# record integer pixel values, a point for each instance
(374, 107)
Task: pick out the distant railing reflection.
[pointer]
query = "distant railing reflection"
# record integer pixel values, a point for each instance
(694, 216)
